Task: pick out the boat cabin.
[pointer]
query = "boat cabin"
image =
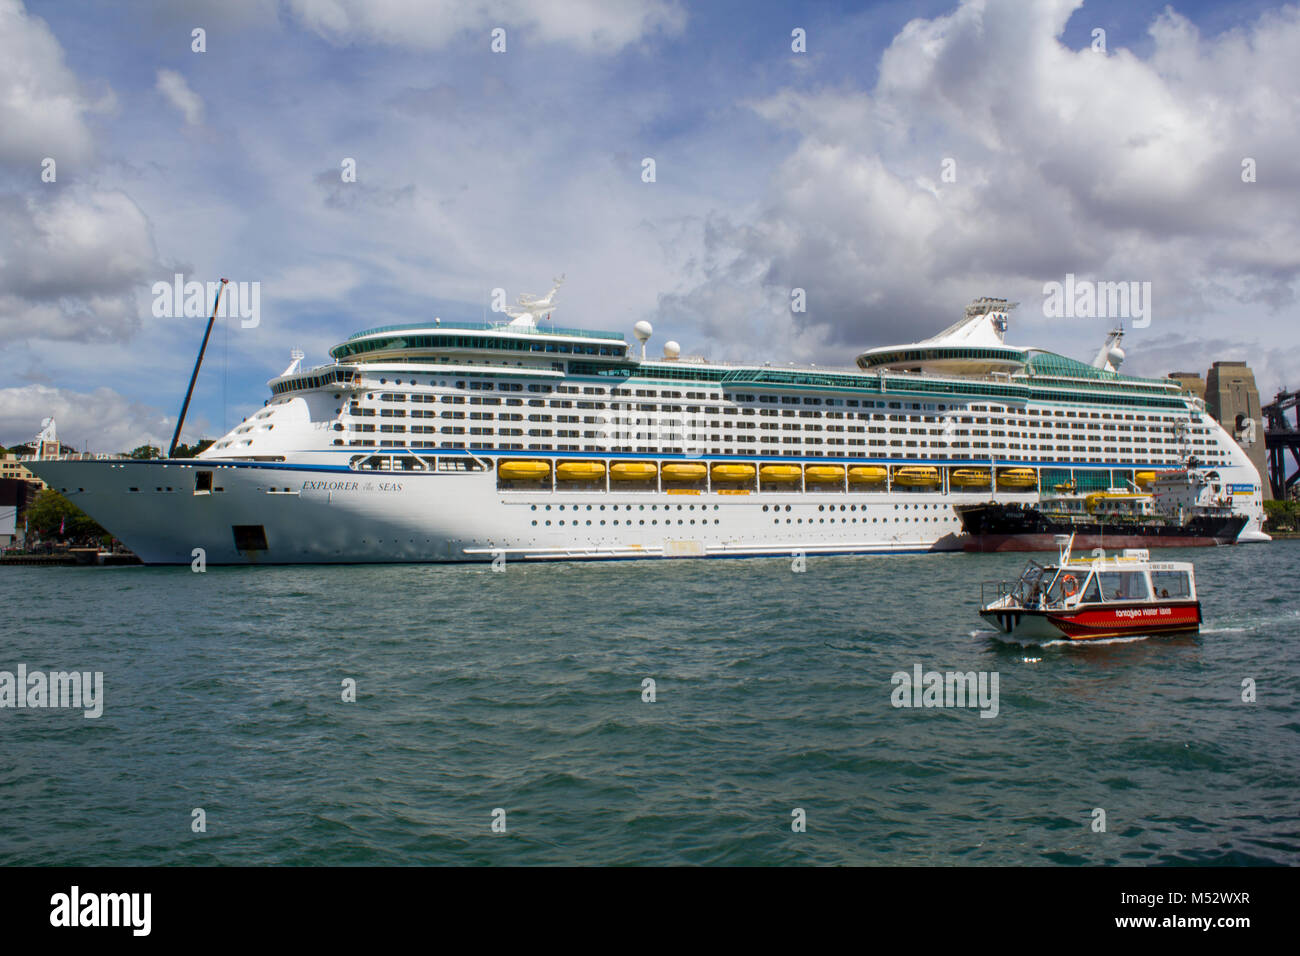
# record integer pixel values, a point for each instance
(1131, 578)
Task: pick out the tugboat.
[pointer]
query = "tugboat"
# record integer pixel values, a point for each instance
(1185, 508)
(1084, 599)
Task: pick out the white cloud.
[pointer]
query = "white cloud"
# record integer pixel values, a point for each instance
(1104, 165)
(72, 265)
(173, 86)
(42, 108)
(591, 25)
(104, 420)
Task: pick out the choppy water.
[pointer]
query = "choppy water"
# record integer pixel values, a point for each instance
(523, 690)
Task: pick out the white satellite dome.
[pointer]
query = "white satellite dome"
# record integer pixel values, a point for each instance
(672, 350)
(1116, 356)
(643, 330)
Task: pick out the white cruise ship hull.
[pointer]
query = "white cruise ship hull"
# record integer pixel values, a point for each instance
(267, 514)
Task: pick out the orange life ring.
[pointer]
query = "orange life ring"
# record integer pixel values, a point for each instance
(1069, 585)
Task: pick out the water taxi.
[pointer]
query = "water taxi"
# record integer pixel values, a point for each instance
(1083, 599)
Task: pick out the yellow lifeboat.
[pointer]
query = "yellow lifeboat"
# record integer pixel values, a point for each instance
(780, 472)
(732, 472)
(916, 475)
(1017, 478)
(1144, 478)
(969, 478)
(633, 471)
(688, 471)
(824, 474)
(524, 470)
(867, 474)
(580, 470)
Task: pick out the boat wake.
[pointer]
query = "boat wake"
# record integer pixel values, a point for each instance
(1247, 625)
(998, 637)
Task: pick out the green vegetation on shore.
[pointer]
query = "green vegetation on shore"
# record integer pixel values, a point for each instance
(1281, 516)
(51, 512)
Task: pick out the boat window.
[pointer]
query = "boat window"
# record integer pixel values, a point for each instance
(1123, 585)
(1092, 593)
(1173, 584)
(1066, 584)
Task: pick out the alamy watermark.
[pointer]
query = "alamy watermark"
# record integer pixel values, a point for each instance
(951, 689)
(128, 910)
(180, 299)
(37, 690)
(1085, 299)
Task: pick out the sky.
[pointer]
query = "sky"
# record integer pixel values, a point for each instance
(910, 157)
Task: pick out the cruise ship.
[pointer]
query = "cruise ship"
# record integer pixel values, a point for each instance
(522, 441)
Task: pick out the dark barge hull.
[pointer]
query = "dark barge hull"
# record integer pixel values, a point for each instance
(1011, 527)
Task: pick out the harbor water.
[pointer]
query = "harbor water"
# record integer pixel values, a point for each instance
(643, 712)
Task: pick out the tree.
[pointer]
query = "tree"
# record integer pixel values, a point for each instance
(51, 511)
(192, 451)
(146, 452)
(1281, 515)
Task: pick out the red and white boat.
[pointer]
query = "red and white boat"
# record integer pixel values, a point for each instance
(1083, 599)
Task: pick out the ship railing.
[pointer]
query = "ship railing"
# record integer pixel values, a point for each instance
(991, 591)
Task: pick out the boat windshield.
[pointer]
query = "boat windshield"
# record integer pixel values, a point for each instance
(1066, 585)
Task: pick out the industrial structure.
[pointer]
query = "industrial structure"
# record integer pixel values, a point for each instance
(1282, 436)
(1232, 399)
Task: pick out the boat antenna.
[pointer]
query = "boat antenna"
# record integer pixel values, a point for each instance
(189, 392)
